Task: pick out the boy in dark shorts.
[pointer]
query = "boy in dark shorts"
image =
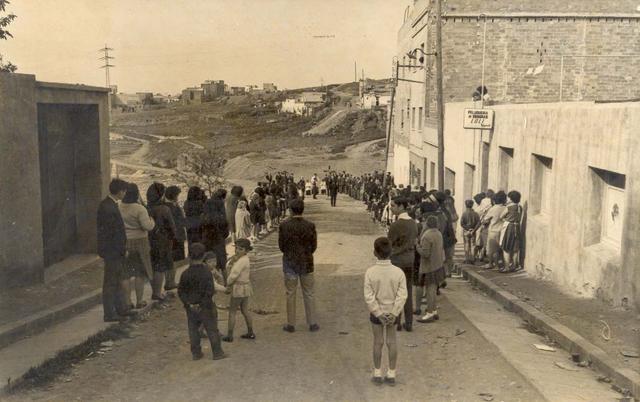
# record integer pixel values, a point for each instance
(385, 292)
(196, 289)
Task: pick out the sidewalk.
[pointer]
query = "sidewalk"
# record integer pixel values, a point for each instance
(572, 318)
(29, 310)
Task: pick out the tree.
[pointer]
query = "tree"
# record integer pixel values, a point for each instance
(5, 20)
(204, 169)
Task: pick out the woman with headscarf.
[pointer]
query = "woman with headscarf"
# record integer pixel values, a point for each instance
(194, 210)
(137, 224)
(230, 205)
(160, 238)
(216, 229)
(243, 220)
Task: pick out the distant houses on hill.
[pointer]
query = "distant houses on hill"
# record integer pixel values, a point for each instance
(305, 104)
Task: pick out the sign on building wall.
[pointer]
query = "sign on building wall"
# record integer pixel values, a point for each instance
(478, 119)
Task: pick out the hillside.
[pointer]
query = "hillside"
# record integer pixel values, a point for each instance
(235, 126)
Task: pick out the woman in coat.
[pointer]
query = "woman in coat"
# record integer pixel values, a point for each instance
(160, 238)
(137, 224)
(432, 272)
(243, 221)
(254, 212)
(230, 205)
(177, 243)
(216, 228)
(194, 210)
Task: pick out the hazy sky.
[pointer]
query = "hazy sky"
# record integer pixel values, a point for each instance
(166, 45)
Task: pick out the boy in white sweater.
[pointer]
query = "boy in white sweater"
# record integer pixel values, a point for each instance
(385, 292)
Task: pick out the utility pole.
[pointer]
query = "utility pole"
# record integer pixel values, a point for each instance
(389, 123)
(355, 71)
(440, 97)
(106, 64)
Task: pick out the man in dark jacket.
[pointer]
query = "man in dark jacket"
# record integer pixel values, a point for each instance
(332, 187)
(402, 236)
(196, 289)
(297, 239)
(112, 247)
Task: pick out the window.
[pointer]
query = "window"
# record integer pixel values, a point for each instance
(607, 206)
(432, 178)
(450, 180)
(541, 184)
(191, 96)
(469, 173)
(484, 179)
(420, 118)
(413, 118)
(505, 161)
(422, 53)
(402, 118)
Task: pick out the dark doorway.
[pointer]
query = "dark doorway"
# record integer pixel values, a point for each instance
(57, 146)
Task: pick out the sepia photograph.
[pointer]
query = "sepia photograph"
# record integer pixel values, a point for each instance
(320, 200)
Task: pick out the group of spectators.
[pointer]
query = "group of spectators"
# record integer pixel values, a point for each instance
(141, 241)
(491, 225)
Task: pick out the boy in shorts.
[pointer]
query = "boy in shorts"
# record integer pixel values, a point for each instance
(385, 292)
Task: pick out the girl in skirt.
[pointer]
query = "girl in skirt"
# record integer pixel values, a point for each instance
(510, 235)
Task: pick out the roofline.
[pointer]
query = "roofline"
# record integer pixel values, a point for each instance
(72, 87)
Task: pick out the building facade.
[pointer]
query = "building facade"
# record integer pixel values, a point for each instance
(543, 65)
(213, 89)
(55, 170)
(193, 96)
(269, 87)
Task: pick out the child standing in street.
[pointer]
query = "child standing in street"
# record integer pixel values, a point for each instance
(385, 292)
(196, 289)
(239, 285)
(469, 223)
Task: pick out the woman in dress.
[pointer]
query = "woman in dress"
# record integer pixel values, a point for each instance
(137, 224)
(216, 228)
(243, 220)
(193, 210)
(510, 234)
(160, 238)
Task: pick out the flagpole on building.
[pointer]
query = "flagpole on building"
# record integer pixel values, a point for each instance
(440, 97)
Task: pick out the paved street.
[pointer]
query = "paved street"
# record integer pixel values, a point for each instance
(332, 364)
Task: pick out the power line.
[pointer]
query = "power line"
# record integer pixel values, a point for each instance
(107, 63)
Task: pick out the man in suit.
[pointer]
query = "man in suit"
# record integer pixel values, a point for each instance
(112, 247)
(332, 187)
(297, 239)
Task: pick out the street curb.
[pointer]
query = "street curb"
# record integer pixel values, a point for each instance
(565, 337)
(38, 322)
(6, 388)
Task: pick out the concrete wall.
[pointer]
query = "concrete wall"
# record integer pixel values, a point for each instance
(21, 257)
(21, 233)
(563, 244)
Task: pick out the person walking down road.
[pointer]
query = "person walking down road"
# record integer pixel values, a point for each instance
(314, 186)
(432, 272)
(138, 224)
(177, 244)
(510, 233)
(243, 221)
(385, 293)
(216, 228)
(239, 285)
(160, 239)
(112, 247)
(196, 290)
(194, 210)
(254, 212)
(469, 222)
(402, 235)
(332, 188)
(297, 239)
(230, 206)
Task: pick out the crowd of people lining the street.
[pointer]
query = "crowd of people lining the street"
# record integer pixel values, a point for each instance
(142, 242)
